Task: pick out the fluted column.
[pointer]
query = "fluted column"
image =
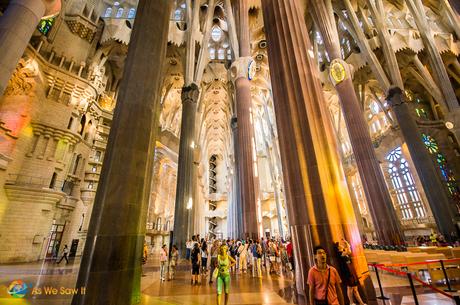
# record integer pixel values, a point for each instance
(237, 215)
(16, 28)
(379, 200)
(246, 160)
(444, 211)
(184, 193)
(111, 264)
(318, 203)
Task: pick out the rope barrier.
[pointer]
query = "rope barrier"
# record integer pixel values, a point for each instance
(404, 274)
(430, 261)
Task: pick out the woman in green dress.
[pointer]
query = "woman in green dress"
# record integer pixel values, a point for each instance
(224, 263)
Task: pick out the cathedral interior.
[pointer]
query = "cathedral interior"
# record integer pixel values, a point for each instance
(149, 121)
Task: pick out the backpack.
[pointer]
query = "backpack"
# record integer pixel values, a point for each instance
(259, 250)
(194, 256)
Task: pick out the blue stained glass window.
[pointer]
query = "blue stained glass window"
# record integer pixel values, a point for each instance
(132, 13)
(45, 25)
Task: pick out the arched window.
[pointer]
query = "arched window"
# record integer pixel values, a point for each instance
(120, 13)
(82, 124)
(212, 53)
(403, 185)
(53, 180)
(88, 130)
(158, 224)
(178, 15)
(108, 12)
(221, 54)
(76, 164)
(132, 13)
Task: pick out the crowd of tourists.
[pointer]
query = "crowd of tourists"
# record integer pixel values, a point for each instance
(250, 256)
(216, 260)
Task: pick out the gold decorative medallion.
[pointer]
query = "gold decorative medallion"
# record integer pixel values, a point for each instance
(337, 71)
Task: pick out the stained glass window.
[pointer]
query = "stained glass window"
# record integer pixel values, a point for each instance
(403, 186)
(108, 12)
(421, 113)
(45, 25)
(430, 143)
(447, 174)
(120, 13)
(216, 34)
(132, 13)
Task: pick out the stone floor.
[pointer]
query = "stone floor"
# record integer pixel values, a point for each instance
(245, 290)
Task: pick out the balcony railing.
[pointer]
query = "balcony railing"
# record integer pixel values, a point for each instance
(40, 183)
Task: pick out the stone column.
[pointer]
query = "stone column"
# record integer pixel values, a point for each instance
(318, 203)
(444, 211)
(379, 200)
(16, 28)
(184, 194)
(111, 264)
(237, 215)
(248, 180)
(246, 159)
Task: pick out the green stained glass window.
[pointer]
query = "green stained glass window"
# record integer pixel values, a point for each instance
(430, 143)
(45, 25)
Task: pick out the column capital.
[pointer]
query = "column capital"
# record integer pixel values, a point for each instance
(242, 67)
(190, 93)
(392, 92)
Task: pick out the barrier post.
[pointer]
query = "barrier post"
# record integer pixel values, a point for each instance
(457, 299)
(449, 288)
(412, 287)
(382, 296)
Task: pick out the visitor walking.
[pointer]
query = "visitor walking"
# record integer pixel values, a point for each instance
(65, 252)
(347, 271)
(243, 256)
(323, 281)
(188, 247)
(225, 262)
(145, 252)
(196, 260)
(163, 262)
(173, 262)
(204, 257)
(214, 254)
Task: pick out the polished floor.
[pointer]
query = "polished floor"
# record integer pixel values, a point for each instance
(245, 290)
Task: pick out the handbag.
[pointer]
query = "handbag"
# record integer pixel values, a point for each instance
(215, 273)
(324, 302)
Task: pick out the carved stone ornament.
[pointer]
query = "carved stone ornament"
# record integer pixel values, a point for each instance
(22, 82)
(243, 67)
(190, 93)
(339, 71)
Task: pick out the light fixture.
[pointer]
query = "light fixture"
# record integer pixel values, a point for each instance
(190, 203)
(449, 125)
